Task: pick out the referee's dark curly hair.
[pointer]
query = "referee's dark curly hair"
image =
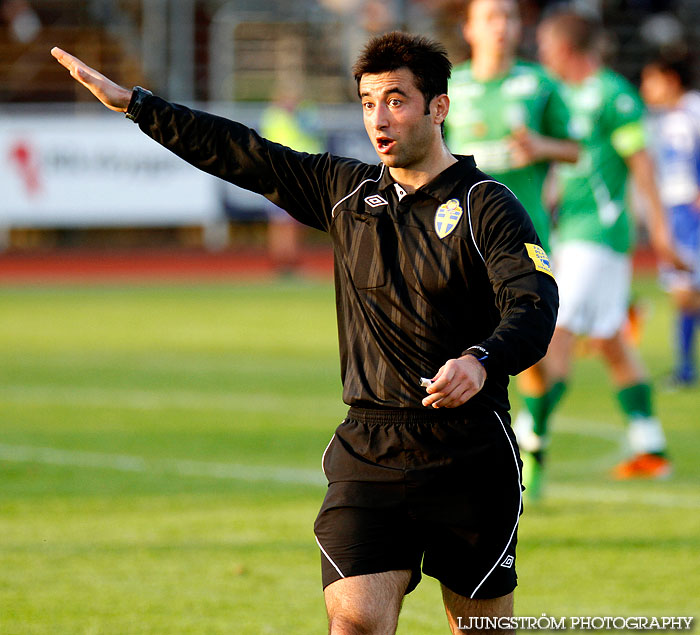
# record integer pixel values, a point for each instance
(425, 58)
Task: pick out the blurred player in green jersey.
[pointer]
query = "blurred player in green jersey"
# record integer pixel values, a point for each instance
(595, 234)
(508, 113)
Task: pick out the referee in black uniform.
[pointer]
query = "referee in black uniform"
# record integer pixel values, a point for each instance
(442, 291)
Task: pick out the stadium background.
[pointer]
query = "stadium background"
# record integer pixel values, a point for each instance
(231, 57)
(166, 399)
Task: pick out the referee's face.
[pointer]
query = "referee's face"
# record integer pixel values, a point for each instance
(394, 113)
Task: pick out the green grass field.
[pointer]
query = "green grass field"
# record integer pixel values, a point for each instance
(160, 470)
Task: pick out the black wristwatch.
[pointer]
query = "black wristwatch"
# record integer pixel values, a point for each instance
(481, 354)
(138, 96)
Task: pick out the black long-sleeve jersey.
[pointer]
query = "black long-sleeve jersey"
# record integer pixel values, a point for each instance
(420, 278)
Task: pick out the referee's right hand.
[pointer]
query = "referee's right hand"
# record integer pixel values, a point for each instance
(455, 383)
(112, 95)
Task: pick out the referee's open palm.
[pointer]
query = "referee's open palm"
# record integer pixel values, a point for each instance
(112, 95)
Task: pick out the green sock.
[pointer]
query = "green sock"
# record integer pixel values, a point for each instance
(635, 401)
(554, 395)
(537, 407)
(644, 430)
(542, 407)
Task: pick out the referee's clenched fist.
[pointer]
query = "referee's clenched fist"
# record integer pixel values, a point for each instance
(456, 382)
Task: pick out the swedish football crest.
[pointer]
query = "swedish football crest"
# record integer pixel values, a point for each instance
(447, 217)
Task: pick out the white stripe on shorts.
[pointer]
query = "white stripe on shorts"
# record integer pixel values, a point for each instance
(517, 513)
(335, 566)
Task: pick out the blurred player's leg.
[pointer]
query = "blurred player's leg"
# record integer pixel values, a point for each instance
(685, 371)
(531, 429)
(687, 302)
(532, 425)
(600, 312)
(634, 393)
(635, 322)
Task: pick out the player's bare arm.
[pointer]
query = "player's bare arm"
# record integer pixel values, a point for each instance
(456, 383)
(527, 147)
(642, 170)
(112, 95)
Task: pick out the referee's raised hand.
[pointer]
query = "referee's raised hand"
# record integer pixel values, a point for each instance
(112, 95)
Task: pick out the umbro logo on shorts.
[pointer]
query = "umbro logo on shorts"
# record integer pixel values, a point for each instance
(375, 201)
(508, 562)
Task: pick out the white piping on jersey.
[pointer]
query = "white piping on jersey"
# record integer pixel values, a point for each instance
(335, 566)
(469, 210)
(517, 513)
(356, 189)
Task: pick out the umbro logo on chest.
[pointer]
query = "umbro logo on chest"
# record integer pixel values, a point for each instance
(376, 201)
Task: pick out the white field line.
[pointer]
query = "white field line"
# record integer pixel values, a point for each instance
(615, 435)
(619, 493)
(258, 401)
(180, 467)
(135, 399)
(153, 399)
(271, 402)
(588, 428)
(300, 476)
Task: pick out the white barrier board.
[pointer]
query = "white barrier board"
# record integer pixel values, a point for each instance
(89, 170)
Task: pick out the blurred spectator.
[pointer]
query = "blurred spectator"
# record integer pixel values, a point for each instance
(663, 31)
(362, 19)
(23, 21)
(289, 122)
(675, 136)
(530, 13)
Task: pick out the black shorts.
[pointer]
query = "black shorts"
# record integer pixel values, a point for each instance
(407, 488)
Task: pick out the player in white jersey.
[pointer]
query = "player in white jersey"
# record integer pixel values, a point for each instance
(675, 135)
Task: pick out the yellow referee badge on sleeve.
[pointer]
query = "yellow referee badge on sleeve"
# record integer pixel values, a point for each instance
(540, 258)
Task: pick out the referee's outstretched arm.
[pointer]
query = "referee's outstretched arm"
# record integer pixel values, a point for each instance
(112, 95)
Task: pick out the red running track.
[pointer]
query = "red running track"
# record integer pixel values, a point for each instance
(162, 265)
(151, 265)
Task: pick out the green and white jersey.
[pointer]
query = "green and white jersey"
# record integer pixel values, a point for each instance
(483, 115)
(607, 117)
